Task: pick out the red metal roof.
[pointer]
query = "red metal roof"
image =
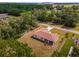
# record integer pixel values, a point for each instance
(46, 34)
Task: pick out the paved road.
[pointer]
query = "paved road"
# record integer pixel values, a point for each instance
(68, 30)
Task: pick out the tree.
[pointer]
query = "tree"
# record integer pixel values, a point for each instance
(75, 7)
(14, 12)
(60, 7)
(29, 19)
(12, 48)
(75, 52)
(69, 20)
(13, 27)
(42, 16)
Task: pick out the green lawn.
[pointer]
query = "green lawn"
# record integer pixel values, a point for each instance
(65, 49)
(75, 35)
(68, 42)
(60, 32)
(77, 27)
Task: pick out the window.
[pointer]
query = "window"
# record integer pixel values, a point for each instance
(45, 40)
(42, 38)
(50, 43)
(34, 36)
(38, 37)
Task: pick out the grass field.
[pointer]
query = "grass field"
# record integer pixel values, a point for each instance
(77, 27)
(65, 49)
(60, 32)
(67, 5)
(75, 35)
(68, 42)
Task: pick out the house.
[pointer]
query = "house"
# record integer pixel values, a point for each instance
(45, 36)
(76, 42)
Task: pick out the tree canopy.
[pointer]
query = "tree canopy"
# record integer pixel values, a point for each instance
(12, 48)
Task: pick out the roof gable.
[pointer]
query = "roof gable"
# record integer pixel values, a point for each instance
(46, 34)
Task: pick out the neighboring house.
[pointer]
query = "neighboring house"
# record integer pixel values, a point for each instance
(45, 36)
(76, 40)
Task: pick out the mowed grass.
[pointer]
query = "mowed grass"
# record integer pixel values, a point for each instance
(65, 49)
(70, 5)
(66, 5)
(70, 34)
(60, 32)
(68, 42)
(77, 27)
